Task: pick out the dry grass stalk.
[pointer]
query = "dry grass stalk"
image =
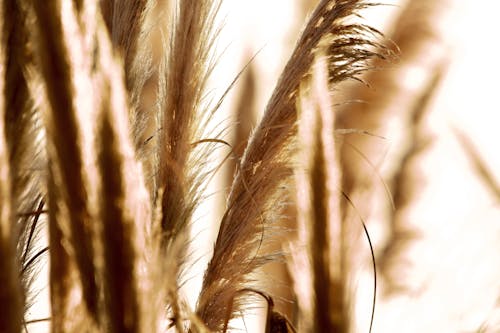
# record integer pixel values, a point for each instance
(97, 243)
(122, 308)
(11, 301)
(265, 166)
(182, 82)
(182, 154)
(318, 199)
(125, 204)
(64, 118)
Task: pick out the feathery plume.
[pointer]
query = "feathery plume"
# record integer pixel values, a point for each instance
(183, 78)
(182, 153)
(265, 166)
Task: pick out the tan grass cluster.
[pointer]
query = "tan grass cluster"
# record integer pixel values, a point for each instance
(117, 181)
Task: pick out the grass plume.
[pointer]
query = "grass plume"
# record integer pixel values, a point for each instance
(265, 166)
(73, 108)
(182, 82)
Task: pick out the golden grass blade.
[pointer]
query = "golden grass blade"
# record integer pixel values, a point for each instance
(182, 86)
(124, 204)
(319, 218)
(57, 25)
(11, 300)
(120, 283)
(266, 161)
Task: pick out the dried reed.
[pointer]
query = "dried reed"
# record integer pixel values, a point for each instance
(181, 149)
(124, 205)
(182, 82)
(69, 184)
(89, 64)
(265, 167)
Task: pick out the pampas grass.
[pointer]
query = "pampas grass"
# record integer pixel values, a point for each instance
(265, 167)
(118, 179)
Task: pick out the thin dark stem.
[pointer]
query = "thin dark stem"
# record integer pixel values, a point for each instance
(372, 252)
(32, 229)
(34, 321)
(33, 259)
